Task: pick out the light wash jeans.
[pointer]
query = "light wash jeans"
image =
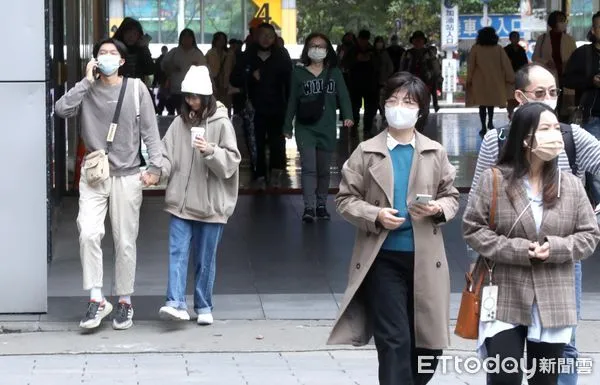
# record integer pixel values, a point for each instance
(201, 240)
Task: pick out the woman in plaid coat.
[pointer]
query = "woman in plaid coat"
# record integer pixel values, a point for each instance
(543, 224)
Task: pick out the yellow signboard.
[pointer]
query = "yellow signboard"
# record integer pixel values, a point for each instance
(269, 11)
(113, 25)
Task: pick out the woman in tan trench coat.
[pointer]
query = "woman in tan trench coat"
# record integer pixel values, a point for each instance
(399, 287)
(490, 77)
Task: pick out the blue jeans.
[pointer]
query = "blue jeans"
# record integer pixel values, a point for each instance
(201, 240)
(593, 127)
(570, 351)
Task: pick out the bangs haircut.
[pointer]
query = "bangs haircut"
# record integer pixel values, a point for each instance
(416, 92)
(515, 157)
(207, 109)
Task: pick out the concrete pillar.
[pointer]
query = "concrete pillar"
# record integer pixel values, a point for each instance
(181, 16)
(288, 16)
(24, 219)
(116, 11)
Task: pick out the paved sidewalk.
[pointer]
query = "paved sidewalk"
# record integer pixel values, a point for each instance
(292, 368)
(229, 352)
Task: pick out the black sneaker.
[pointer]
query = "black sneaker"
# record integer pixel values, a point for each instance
(308, 216)
(96, 312)
(123, 318)
(322, 213)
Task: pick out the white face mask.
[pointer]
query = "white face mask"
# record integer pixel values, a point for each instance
(401, 118)
(109, 64)
(552, 103)
(317, 54)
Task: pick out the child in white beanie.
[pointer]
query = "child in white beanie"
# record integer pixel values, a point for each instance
(201, 162)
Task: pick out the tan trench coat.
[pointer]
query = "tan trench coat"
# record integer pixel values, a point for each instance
(367, 186)
(490, 77)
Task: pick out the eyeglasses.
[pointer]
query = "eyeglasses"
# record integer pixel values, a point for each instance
(317, 46)
(542, 92)
(393, 102)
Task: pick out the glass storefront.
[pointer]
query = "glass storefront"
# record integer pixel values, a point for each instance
(580, 17)
(161, 18)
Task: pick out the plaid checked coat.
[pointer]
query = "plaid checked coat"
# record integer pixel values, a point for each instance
(570, 228)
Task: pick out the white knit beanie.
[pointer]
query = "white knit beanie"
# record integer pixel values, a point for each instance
(197, 81)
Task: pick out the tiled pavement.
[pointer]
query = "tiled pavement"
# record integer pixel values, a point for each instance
(293, 368)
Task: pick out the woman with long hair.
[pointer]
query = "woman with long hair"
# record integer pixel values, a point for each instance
(177, 63)
(490, 77)
(314, 91)
(543, 225)
(216, 58)
(201, 162)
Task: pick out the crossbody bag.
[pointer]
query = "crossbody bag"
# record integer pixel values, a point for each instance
(96, 167)
(310, 112)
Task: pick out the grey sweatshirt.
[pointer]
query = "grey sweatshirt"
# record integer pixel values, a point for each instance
(95, 102)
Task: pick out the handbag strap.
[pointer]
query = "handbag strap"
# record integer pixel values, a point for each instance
(482, 260)
(494, 198)
(115, 121)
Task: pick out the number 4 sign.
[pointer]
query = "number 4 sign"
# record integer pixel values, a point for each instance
(269, 11)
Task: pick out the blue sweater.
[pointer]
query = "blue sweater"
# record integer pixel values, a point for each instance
(401, 239)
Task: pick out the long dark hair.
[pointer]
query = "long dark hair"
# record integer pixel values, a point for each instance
(190, 33)
(515, 157)
(330, 60)
(207, 109)
(216, 37)
(416, 91)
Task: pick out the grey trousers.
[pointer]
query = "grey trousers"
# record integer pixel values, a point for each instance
(315, 175)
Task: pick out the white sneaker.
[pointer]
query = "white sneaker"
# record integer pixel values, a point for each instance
(96, 312)
(205, 319)
(169, 313)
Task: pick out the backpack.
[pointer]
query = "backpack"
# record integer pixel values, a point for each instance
(567, 135)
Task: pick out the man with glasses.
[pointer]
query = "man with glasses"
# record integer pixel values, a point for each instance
(583, 75)
(534, 83)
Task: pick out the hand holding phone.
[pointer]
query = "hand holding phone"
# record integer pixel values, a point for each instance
(422, 199)
(91, 69)
(424, 206)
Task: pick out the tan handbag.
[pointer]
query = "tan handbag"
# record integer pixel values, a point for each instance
(467, 323)
(96, 167)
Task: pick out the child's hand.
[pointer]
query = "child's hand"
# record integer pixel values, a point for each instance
(201, 144)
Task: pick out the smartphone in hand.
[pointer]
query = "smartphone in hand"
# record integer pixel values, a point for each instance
(422, 199)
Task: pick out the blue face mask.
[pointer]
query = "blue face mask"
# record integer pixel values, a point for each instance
(108, 64)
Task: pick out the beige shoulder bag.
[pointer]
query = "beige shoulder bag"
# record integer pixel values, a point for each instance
(96, 166)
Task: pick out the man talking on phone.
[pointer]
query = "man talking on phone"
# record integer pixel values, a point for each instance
(114, 112)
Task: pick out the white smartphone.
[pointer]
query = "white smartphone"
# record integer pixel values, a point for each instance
(423, 198)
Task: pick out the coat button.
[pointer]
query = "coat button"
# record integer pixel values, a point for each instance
(435, 231)
(438, 264)
(368, 233)
(357, 266)
(376, 203)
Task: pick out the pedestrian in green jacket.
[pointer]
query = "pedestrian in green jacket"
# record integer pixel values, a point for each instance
(316, 86)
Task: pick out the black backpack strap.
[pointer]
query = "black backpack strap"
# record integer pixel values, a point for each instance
(567, 135)
(115, 120)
